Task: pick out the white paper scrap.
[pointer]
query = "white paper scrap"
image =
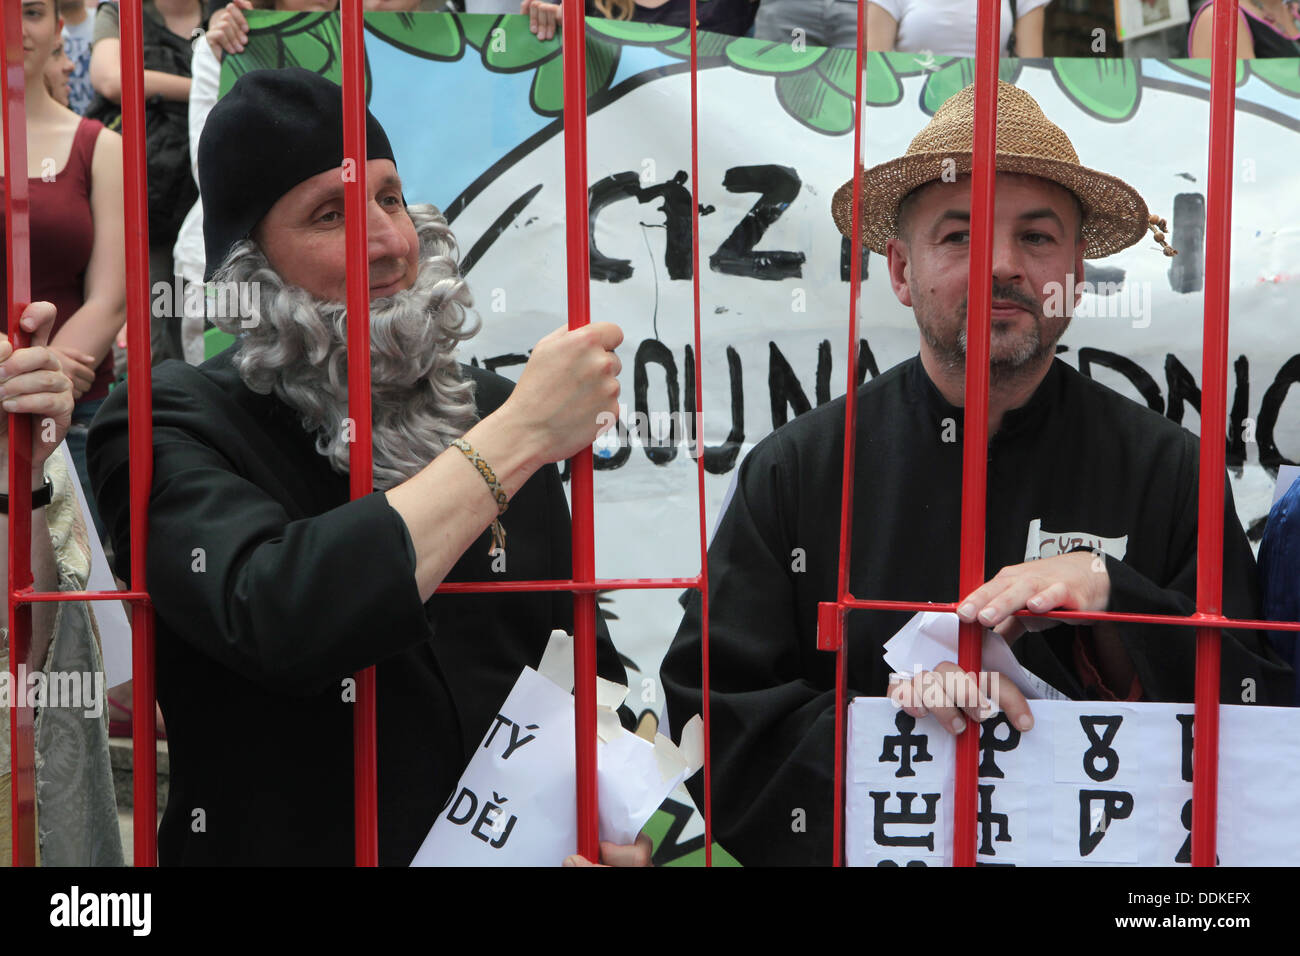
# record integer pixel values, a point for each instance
(930, 637)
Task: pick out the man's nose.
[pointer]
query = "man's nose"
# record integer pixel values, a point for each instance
(384, 239)
(1007, 266)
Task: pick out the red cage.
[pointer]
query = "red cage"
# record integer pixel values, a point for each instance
(584, 583)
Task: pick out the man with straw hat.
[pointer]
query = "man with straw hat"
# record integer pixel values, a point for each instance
(1091, 497)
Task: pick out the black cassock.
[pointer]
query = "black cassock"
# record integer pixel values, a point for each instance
(1082, 460)
(271, 589)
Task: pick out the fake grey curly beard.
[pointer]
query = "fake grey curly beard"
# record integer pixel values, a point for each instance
(295, 345)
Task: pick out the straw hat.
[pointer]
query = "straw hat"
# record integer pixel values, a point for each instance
(1114, 215)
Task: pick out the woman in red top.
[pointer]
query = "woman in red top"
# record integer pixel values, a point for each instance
(74, 169)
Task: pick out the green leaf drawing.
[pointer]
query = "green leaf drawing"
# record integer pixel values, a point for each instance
(710, 44)
(817, 104)
(477, 28)
(547, 92)
(837, 69)
(883, 88)
(956, 76)
(1283, 74)
(512, 48)
(1109, 88)
(764, 56)
(642, 34)
(602, 61)
(279, 39)
(434, 36)
(1200, 68)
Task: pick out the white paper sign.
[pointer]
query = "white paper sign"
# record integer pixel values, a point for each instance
(1094, 783)
(516, 803)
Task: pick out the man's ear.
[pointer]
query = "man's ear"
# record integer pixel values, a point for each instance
(896, 257)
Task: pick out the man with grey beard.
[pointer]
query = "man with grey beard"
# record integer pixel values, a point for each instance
(271, 587)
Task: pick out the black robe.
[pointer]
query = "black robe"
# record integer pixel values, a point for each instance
(1078, 457)
(271, 588)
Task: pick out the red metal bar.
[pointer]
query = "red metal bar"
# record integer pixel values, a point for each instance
(22, 742)
(591, 584)
(140, 431)
(1189, 620)
(356, 201)
(573, 42)
(1214, 374)
(830, 637)
(641, 584)
(37, 597)
(835, 640)
(703, 582)
(975, 442)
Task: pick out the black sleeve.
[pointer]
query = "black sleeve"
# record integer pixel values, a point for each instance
(1165, 656)
(279, 601)
(772, 728)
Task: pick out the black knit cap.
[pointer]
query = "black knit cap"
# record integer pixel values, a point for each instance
(272, 131)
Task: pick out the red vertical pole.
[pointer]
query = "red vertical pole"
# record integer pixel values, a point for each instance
(975, 443)
(834, 626)
(574, 40)
(140, 431)
(18, 277)
(698, 426)
(365, 786)
(1214, 372)
(830, 637)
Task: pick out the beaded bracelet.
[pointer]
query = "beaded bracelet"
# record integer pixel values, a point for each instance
(498, 493)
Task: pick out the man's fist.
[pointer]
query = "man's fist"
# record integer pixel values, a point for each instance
(570, 380)
(32, 382)
(955, 698)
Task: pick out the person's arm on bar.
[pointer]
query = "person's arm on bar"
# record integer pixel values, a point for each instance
(33, 385)
(551, 414)
(1160, 657)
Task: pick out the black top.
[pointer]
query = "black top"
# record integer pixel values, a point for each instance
(1078, 457)
(1264, 36)
(271, 589)
(732, 17)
